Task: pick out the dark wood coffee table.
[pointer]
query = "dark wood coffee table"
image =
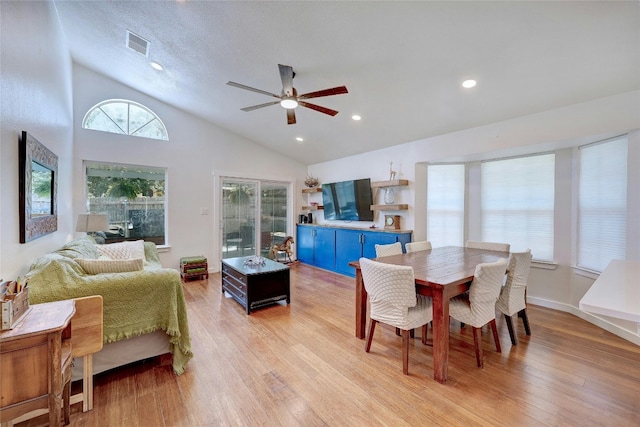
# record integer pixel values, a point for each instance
(255, 286)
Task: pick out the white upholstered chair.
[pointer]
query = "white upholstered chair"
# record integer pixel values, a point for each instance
(512, 296)
(478, 306)
(393, 300)
(490, 246)
(418, 246)
(388, 250)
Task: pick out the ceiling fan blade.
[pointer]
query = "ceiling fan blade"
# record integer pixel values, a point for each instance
(318, 108)
(326, 92)
(252, 89)
(255, 107)
(291, 116)
(286, 75)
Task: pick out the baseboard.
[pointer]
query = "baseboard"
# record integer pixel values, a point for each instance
(591, 318)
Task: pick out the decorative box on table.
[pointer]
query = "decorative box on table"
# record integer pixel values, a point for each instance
(14, 304)
(194, 267)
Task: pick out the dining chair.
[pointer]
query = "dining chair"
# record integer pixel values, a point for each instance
(388, 250)
(417, 246)
(478, 307)
(490, 246)
(393, 301)
(512, 299)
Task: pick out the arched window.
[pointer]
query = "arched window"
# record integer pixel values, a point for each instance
(125, 117)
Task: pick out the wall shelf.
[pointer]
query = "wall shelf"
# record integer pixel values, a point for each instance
(394, 183)
(396, 207)
(312, 190)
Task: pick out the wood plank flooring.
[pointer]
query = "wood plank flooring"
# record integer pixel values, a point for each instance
(301, 365)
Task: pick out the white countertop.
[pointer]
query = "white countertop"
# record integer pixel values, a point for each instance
(616, 293)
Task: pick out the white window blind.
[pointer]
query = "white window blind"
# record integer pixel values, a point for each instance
(517, 203)
(445, 205)
(602, 203)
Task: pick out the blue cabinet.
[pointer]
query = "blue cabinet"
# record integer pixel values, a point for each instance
(349, 243)
(333, 248)
(304, 244)
(324, 255)
(316, 246)
(353, 244)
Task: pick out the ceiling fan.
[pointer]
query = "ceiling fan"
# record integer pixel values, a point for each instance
(289, 98)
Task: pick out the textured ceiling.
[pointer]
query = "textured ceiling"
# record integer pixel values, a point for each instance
(403, 62)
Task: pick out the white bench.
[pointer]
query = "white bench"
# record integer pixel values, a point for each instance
(616, 293)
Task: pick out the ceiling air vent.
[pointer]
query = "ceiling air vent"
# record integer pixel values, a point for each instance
(137, 43)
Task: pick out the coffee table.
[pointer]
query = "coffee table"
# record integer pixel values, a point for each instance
(255, 286)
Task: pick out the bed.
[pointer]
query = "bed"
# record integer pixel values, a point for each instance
(145, 311)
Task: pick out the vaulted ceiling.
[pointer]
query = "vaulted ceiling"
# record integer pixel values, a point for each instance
(402, 62)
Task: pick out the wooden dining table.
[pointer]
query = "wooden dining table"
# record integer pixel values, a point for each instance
(441, 273)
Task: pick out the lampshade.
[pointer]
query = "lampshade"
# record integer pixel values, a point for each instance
(92, 222)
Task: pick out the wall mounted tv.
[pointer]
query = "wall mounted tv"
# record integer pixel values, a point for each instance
(348, 200)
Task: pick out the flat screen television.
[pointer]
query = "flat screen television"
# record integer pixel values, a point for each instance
(348, 200)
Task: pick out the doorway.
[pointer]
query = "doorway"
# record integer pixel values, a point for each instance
(254, 216)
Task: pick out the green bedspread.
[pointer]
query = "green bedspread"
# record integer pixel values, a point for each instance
(135, 303)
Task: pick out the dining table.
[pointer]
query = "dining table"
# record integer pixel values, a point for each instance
(440, 273)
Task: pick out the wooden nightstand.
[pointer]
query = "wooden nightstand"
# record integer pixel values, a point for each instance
(35, 358)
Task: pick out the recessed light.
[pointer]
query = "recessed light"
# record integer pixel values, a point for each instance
(299, 139)
(356, 117)
(156, 66)
(468, 83)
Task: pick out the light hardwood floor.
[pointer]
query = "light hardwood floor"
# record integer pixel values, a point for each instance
(300, 365)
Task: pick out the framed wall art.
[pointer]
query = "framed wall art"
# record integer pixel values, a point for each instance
(38, 185)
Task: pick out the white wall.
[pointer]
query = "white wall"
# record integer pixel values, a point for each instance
(35, 96)
(195, 151)
(562, 129)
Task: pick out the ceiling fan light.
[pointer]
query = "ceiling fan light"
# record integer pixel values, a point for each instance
(468, 84)
(289, 103)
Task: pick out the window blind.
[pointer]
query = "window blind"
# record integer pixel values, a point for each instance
(602, 203)
(445, 204)
(517, 203)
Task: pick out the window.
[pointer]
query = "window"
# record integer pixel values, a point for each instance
(132, 196)
(125, 117)
(602, 203)
(517, 203)
(445, 205)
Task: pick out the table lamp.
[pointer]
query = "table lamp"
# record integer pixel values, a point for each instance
(91, 223)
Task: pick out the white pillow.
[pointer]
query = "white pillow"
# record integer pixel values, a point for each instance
(136, 248)
(123, 250)
(114, 251)
(99, 266)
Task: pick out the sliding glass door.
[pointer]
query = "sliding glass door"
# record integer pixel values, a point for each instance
(274, 206)
(254, 216)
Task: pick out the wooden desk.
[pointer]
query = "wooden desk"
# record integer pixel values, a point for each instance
(33, 357)
(441, 274)
(86, 332)
(616, 292)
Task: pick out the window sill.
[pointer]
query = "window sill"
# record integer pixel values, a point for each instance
(544, 265)
(163, 248)
(581, 271)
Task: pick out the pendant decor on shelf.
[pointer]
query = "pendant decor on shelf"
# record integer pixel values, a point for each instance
(311, 181)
